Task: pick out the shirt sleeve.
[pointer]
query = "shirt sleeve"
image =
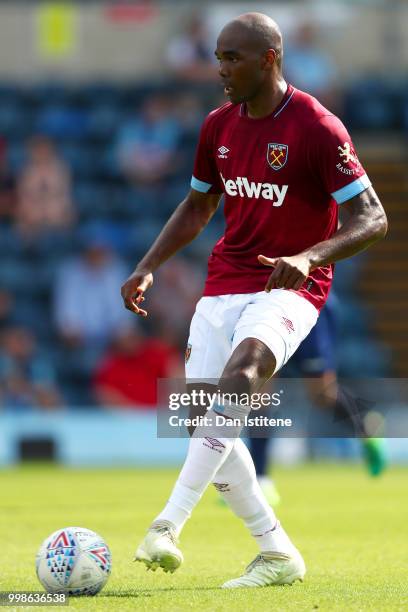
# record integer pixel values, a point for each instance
(334, 158)
(205, 175)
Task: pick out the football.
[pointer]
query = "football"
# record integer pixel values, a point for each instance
(74, 561)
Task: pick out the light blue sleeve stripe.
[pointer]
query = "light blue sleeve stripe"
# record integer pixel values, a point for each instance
(200, 185)
(351, 190)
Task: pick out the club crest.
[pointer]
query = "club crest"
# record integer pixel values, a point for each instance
(277, 155)
(187, 353)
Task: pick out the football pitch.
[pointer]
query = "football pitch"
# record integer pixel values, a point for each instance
(352, 531)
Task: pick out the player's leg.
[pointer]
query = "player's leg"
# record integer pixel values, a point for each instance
(313, 359)
(326, 393)
(259, 446)
(236, 479)
(209, 347)
(309, 360)
(250, 365)
(160, 546)
(248, 368)
(259, 449)
(279, 561)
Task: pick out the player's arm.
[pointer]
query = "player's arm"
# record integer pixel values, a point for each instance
(366, 223)
(187, 221)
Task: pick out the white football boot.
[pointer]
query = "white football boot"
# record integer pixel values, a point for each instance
(270, 568)
(158, 548)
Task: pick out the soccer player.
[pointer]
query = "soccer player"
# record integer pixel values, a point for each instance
(284, 163)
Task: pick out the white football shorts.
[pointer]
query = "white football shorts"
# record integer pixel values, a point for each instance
(281, 319)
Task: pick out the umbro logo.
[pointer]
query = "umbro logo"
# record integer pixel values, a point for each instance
(214, 444)
(288, 324)
(222, 152)
(221, 486)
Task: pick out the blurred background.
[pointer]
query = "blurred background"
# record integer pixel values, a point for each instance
(100, 108)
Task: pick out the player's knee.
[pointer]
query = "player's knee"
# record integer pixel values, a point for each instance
(236, 379)
(243, 378)
(250, 365)
(254, 368)
(242, 374)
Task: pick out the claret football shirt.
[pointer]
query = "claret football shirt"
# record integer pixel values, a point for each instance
(282, 177)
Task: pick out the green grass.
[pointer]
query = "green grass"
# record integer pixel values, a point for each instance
(351, 530)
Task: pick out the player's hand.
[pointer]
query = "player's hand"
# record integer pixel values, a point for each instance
(289, 273)
(133, 289)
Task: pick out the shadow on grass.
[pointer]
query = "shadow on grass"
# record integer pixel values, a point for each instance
(150, 592)
(143, 592)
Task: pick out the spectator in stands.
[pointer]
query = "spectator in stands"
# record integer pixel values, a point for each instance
(27, 378)
(146, 146)
(7, 187)
(127, 375)
(191, 54)
(44, 191)
(310, 67)
(87, 303)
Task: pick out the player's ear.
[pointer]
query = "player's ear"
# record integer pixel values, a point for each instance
(269, 59)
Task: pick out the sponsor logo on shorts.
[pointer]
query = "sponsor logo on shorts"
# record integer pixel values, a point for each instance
(288, 324)
(214, 444)
(187, 353)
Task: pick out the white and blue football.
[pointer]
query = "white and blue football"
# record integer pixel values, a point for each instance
(74, 561)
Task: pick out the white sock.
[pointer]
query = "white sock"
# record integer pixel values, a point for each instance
(207, 451)
(237, 483)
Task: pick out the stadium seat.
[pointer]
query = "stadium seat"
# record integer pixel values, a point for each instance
(90, 199)
(142, 235)
(35, 315)
(353, 319)
(61, 121)
(46, 92)
(371, 103)
(347, 274)
(81, 159)
(10, 245)
(15, 122)
(24, 278)
(104, 120)
(359, 359)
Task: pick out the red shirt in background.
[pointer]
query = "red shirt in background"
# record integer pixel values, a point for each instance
(130, 379)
